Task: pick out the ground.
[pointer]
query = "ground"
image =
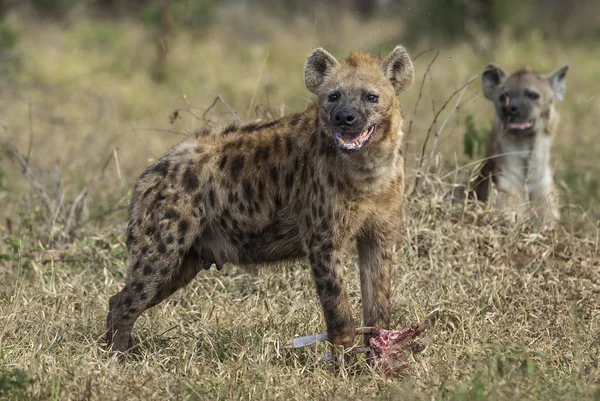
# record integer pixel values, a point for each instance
(519, 315)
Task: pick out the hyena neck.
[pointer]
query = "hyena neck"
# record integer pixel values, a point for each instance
(551, 122)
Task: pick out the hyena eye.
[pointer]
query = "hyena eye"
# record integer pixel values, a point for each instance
(333, 97)
(502, 97)
(532, 95)
(372, 98)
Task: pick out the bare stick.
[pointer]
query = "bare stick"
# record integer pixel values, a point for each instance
(30, 135)
(14, 155)
(439, 131)
(262, 68)
(225, 103)
(417, 180)
(422, 53)
(76, 202)
(118, 166)
(414, 113)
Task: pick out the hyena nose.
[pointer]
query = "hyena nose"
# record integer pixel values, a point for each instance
(344, 116)
(510, 110)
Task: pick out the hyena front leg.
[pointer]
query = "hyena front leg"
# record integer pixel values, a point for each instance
(325, 267)
(375, 259)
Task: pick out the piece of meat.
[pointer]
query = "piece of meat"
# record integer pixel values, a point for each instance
(389, 350)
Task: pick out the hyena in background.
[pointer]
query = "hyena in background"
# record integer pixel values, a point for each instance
(303, 185)
(518, 155)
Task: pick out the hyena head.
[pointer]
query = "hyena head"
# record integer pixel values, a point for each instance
(524, 99)
(357, 96)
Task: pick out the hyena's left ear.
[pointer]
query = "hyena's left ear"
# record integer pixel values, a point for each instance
(398, 67)
(558, 82)
(318, 65)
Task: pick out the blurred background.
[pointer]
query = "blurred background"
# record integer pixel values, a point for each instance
(91, 92)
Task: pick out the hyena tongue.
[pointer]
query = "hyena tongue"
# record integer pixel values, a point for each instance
(349, 136)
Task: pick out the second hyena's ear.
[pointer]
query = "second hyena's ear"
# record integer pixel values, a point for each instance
(318, 65)
(491, 77)
(558, 82)
(398, 68)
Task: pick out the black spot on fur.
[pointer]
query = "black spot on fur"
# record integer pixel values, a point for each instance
(170, 239)
(161, 168)
(128, 301)
(296, 118)
(145, 249)
(174, 171)
(261, 190)
(289, 180)
(129, 239)
(183, 227)
(330, 180)
(321, 211)
(274, 175)
(262, 153)
(139, 287)
(162, 248)
(230, 128)
(171, 214)
(190, 179)
(289, 145)
(223, 162)
(248, 191)
(318, 270)
(237, 164)
(269, 124)
(164, 271)
(150, 231)
(332, 288)
(250, 127)
(211, 197)
(278, 202)
(198, 198)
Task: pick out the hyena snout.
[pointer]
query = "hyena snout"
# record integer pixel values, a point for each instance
(511, 108)
(344, 117)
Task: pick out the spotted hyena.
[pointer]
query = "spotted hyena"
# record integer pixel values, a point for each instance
(518, 156)
(302, 186)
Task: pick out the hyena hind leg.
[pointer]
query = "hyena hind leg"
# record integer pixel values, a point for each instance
(148, 283)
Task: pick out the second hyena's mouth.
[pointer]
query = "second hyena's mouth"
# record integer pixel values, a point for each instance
(353, 140)
(523, 126)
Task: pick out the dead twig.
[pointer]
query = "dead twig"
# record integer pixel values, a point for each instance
(460, 90)
(78, 199)
(30, 135)
(262, 68)
(15, 156)
(439, 131)
(414, 113)
(219, 98)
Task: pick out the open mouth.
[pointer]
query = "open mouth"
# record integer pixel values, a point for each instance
(353, 140)
(520, 126)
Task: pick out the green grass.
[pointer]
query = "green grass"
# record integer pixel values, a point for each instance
(518, 311)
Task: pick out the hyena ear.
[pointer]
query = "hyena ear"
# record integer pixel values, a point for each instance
(491, 77)
(318, 65)
(558, 82)
(398, 68)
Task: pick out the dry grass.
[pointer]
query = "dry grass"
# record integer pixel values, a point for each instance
(519, 315)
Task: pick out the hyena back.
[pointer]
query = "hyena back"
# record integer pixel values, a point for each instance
(303, 185)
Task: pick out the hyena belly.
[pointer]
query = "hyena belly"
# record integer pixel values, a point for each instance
(278, 241)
